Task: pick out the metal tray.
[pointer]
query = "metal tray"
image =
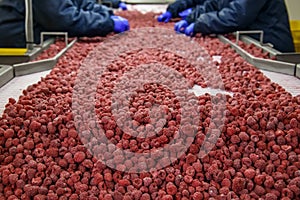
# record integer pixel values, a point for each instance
(285, 57)
(28, 56)
(265, 64)
(41, 65)
(6, 74)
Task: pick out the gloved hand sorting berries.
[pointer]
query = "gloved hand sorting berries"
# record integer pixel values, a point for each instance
(120, 24)
(185, 13)
(189, 31)
(181, 26)
(167, 16)
(227, 16)
(123, 5)
(184, 27)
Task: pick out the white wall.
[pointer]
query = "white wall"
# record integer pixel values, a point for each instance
(293, 7)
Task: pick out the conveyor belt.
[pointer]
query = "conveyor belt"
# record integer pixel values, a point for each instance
(40, 66)
(77, 95)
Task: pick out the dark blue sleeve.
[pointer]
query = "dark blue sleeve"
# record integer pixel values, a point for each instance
(230, 16)
(86, 4)
(181, 5)
(78, 18)
(92, 5)
(207, 6)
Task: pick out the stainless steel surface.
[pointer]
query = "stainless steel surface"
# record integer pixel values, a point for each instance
(10, 60)
(33, 67)
(266, 64)
(14, 88)
(41, 65)
(249, 40)
(298, 71)
(65, 34)
(29, 25)
(273, 66)
(6, 74)
(284, 57)
(289, 57)
(261, 35)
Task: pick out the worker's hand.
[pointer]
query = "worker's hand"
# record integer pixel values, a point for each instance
(121, 24)
(165, 17)
(185, 13)
(189, 31)
(123, 6)
(181, 26)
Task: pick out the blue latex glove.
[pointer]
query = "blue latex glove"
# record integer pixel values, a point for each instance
(185, 13)
(165, 17)
(121, 24)
(181, 26)
(189, 31)
(123, 6)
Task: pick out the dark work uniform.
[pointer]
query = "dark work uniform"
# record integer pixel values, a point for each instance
(77, 17)
(224, 16)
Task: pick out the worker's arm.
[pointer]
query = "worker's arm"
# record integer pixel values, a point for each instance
(85, 4)
(207, 6)
(64, 15)
(114, 4)
(181, 5)
(237, 14)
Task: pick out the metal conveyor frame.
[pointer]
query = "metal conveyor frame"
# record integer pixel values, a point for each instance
(265, 64)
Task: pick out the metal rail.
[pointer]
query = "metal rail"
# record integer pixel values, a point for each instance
(261, 35)
(29, 25)
(298, 71)
(65, 34)
(266, 48)
(41, 65)
(285, 57)
(265, 64)
(28, 56)
(6, 74)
